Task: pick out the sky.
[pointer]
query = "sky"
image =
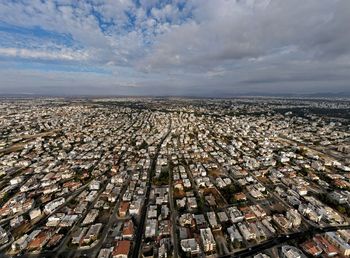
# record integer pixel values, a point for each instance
(180, 48)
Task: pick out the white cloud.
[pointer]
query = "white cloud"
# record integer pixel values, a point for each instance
(234, 30)
(221, 43)
(63, 54)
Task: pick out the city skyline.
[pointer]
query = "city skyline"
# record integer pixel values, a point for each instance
(174, 177)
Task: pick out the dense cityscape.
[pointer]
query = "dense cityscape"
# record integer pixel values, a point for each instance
(172, 177)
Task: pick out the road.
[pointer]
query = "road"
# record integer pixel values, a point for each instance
(141, 226)
(25, 139)
(313, 148)
(173, 215)
(92, 252)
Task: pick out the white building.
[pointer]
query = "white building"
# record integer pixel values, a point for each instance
(53, 205)
(190, 246)
(207, 239)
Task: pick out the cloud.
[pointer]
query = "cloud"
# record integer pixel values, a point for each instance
(64, 83)
(62, 54)
(191, 46)
(224, 31)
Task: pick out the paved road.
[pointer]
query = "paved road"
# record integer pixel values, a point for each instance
(25, 139)
(141, 226)
(174, 215)
(311, 147)
(93, 252)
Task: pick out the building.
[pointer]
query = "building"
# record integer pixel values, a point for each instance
(234, 234)
(339, 242)
(151, 228)
(94, 185)
(208, 241)
(20, 244)
(222, 216)
(4, 238)
(293, 216)
(345, 234)
(39, 241)
(190, 246)
(269, 226)
(152, 212)
(135, 206)
(291, 252)
(121, 249)
(234, 214)
(329, 249)
(282, 222)
(105, 253)
(201, 222)
(123, 209)
(311, 248)
(35, 213)
(260, 255)
(53, 205)
(92, 233)
(90, 217)
(213, 221)
(246, 232)
(128, 230)
(78, 235)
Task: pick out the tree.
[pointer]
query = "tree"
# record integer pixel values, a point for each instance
(229, 191)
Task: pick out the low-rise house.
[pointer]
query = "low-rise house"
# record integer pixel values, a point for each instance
(329, 249)
(339, 242)
(246, 232)
(234, 234)
(213, 221)
(190, 246)
(208, 241)
(282, 222)
(123, 209)
(128, 230)
(291, 252)
(121, 249)
(92, 233)
(234, 214)
(20, 244)
(53, 205)
(311, 248)
(294, 216)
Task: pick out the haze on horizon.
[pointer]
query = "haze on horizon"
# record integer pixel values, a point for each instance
(179, 47)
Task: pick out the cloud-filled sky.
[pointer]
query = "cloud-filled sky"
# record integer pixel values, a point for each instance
(178, 47)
